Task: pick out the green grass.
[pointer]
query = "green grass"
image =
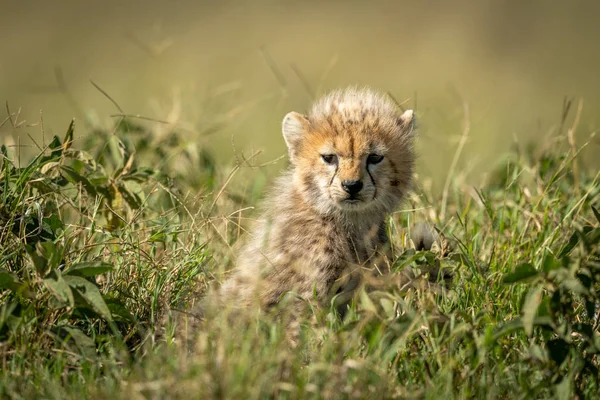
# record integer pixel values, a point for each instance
(101, 244)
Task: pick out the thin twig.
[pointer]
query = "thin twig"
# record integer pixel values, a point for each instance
(5, 121)
(398, 104)
(9, 115)
(34, 142)
(565, 113)
(307, 88)
(461, 144)
(274, 70)
(330, 67)
(42, 129)
(138, 116)
(107, 96)
(231, 174)
(571, 139)
(64, 90)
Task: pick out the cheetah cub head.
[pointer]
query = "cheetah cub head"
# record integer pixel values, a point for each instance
(352, 153)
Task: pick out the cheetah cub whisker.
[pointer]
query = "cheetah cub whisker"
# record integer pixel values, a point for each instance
(351, 163)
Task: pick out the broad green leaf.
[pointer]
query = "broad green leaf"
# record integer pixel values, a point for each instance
(410, 256)
(585, 329)
(79, 166)
(573, 240)
(72, 176)
(550, 263)
(119, 311)
(596, 213)
(91, 295)
(100, 181)
(84, 344)
(139, 175)
(158, 236)
(54, 223)
(8, 281)
(25, 174)
(516, 324)
(132, 199)
(69, 135)
(543, 309)
(45, 185)
(50, 252)
(574, 285)
(563, 390)
(388, 307)
(530, 307)
(521, 273)
(585, 278)
(505, 329)
(367, 303)
(593, 237)
(590, 308)
(60, 289)
(539, 353)
(558, 350)
(39, 257)
(86, 269)
(56, 146)
(49, 166)
(117, 151)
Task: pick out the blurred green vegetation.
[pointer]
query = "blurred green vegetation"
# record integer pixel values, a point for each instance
(104, 246)
(228, 71)
(111, 226)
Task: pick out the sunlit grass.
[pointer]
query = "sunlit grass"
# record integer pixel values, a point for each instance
(105, 245)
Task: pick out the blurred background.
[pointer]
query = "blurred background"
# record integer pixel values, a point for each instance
(225, 72)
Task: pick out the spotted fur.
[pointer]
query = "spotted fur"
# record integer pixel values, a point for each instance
(313, 237)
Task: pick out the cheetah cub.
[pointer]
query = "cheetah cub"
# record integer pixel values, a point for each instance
(351, 164)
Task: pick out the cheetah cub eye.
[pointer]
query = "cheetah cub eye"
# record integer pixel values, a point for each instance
(329, 158)
(374, 159)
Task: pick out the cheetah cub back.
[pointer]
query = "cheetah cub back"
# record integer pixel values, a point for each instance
(351, 162)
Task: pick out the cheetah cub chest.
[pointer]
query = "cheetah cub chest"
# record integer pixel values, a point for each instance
(351, 161)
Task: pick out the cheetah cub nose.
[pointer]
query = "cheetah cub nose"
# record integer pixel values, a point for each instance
(352, 187)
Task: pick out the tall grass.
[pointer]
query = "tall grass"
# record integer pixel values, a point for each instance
(104, 244)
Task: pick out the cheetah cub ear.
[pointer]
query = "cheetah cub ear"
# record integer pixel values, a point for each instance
(294, 127)
(407, 121)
